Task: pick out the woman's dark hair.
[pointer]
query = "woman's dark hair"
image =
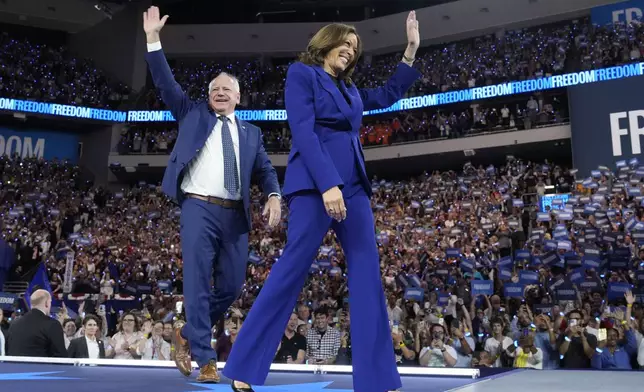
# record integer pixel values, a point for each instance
(137, 326)
(325, 40)
(91, 317)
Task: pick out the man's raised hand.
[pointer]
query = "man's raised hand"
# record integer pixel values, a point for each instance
(152, 21)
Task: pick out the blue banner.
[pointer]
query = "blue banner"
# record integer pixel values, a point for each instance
(415, 294)
(40, 281)
(482, 287)
(546, 201)
(616, 291)
(566, 292)
(438, 99)
(39, 144)
(606, 121)
(55, 109)
(431, 100)
(7, 301)
(528, 277)
(624, 12)
(513, 290)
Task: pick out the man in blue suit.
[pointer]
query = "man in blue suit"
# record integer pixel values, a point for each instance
(209, 175)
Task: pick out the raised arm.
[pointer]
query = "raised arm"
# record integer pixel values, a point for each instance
(402, 79)
(171, 93)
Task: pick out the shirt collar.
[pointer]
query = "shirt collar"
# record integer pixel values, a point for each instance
(230, 116)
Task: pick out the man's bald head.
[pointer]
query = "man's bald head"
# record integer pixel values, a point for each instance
(41, 299)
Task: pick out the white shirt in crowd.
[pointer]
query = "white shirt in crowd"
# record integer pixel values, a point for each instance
(92, 348)
(154, 347)
(436, 358)
(395, 314)
(2, 343)
(107, 287)
(462, 360)
(494, 347)
(205, 176)
(533, 361)
(640, 354)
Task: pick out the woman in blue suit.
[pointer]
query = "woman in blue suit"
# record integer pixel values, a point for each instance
(327, 187)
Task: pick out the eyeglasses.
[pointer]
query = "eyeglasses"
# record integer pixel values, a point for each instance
(128, 320)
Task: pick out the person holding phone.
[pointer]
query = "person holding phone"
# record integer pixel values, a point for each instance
(464, 345)
(576, 345)
(525, 353)
(620, 344)
(437, 353)
(403, 346)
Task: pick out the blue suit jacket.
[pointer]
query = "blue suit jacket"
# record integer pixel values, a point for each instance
(196, 122)
(325, 128)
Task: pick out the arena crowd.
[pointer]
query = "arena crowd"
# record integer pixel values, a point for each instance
(561, 284)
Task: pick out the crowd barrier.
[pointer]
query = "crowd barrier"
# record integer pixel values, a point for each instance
(276, 367)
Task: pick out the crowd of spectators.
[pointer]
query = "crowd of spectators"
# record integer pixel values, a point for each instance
(403, 127)
(508, 55)
(479, 270)
(49, 73)
(565, 282)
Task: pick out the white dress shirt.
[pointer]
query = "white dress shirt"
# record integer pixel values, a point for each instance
(205, 175)
(156, 349)
(92, 348)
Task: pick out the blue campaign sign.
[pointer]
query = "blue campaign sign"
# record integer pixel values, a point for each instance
(513, 290)
(482, 287)
(616, 291)
(607, 121)
(7, 301)
(415, 293)
(39, 144)
(625, 12)
(546, 201)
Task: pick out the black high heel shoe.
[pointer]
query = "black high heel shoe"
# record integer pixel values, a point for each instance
(241, 389)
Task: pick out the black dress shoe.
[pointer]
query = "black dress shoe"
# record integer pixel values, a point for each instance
(241, 389)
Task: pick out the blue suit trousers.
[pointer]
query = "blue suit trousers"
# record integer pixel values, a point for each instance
(214, 243)
(374, 365)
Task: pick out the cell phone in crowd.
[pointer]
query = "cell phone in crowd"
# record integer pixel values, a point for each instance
(573, 322)
(101, 309)
(602, 334)
(179, 307)
(456, 324)
(169, 317)
(394, 329)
